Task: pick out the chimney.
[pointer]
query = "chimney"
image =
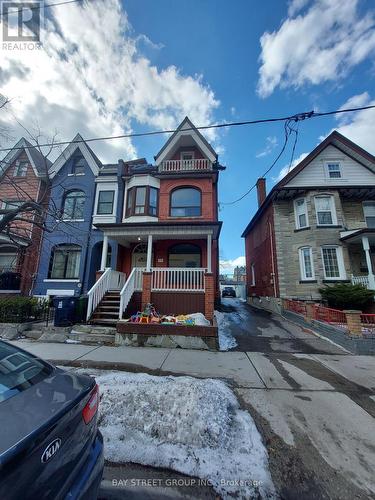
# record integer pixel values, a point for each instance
(261, 190)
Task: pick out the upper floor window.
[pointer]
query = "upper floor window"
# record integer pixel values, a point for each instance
(325, 211)
(369, 213)
(333, 263)
(187, 155)
(333, 170)
(78, 167)
(74, 205)
(65, 260)
(142, 200)
(185, 202)
(21, 168)
(300, 210)
(306, 263)
(105, 202)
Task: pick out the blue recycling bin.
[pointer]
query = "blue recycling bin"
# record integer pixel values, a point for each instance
(64, 310)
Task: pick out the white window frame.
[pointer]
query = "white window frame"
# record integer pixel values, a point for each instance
(21, 173)
(332, 210)
(302, 264)
(296, 214)
(364, 206)
(187, 153)
(327, 171)
(340, 263)
(252, 270)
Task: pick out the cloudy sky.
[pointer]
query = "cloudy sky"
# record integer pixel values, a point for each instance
(111, 67)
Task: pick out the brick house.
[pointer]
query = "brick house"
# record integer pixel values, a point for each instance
(24, 177)
(315, 227)
(167, 234)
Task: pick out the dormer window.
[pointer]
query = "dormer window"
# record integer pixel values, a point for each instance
(333, 170)
(78, 166)
(21, 168)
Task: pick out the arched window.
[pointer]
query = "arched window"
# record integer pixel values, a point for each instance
(65, 260)
(184, 255)
(185, 202)
(74, 205)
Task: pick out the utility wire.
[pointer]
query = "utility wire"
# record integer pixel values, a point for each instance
(297, 117)
(38, 7)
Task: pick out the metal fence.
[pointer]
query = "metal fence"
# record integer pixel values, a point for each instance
(334, 317)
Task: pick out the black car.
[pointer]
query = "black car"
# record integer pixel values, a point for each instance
(50, 445)
(228, 291)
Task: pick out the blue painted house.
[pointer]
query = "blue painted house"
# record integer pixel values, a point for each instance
(83, 191)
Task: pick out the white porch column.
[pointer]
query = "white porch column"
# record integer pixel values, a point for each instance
(104, 253)
(366, 248)
(209, 253)
(149, 253)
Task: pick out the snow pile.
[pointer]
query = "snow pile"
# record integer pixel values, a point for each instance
(199, 319)
(226, 339)
(192, 426)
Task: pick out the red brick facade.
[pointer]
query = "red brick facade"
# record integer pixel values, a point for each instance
(24, 188)
(261, 252)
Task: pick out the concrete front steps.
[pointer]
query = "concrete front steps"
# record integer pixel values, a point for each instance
(108, 310)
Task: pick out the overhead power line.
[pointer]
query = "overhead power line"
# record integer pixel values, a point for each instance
(297, 117)
(38, 7)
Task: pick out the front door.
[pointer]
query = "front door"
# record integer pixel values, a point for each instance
(139, 257)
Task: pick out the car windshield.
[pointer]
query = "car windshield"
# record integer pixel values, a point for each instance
(19, 371)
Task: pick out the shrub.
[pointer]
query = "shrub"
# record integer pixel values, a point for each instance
(347, 296)
(20, 309)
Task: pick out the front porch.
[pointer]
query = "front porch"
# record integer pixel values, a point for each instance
(361, 250)
(173, 267)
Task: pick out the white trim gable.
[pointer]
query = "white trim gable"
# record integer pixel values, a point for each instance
(183, 130)
(68, 153)
(14, 153)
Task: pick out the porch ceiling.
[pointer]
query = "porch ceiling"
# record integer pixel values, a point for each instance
(131, 233)
(355, 236)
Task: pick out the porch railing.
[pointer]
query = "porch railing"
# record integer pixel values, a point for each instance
(109, 280)
(360, 280)
(183, 165)
(178, 279)
(138, 278)
(129, 288)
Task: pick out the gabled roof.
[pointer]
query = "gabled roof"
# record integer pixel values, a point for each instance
(39, 163)
(336, 139)
(202, 143)
(89, 155)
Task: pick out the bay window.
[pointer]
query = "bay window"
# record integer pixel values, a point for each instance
(333, 263)
(300, 210)
(142, 200)
(306, 264)
(325, 211)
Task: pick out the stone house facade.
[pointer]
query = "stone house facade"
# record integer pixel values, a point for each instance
(315, 227)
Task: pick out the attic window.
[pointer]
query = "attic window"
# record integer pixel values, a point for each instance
(78, 166)
(187, 155)
(334, 170)
(21, 168)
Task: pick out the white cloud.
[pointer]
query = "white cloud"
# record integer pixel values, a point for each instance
(91, 77)
(296, 6)
(287, 168)
(227, 266)
(359, 126)
(319, 45)
(271, 143)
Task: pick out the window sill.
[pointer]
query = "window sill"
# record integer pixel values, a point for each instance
(61, 280)
(329, 226)
(336, 280)
(73, 220)
(302, 229)
(76, 175)
(308, 281)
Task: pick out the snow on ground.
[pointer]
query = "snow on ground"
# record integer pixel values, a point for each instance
(226, 339)
(189, 425)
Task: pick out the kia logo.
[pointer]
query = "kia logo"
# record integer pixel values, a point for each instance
(51, 450)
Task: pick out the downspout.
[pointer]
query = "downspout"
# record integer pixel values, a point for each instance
(272, 260)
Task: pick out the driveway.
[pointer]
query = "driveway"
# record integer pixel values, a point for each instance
(256, 330)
